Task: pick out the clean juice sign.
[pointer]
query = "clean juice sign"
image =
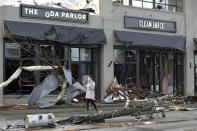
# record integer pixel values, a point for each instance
(149, 24)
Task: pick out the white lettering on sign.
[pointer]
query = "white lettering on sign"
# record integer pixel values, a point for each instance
(80, 16)
(67, 15)
(31, 11)
(51, 14)
(73, 15)
(84, 16)
(151, 24)
(47, 14)
(54, 14)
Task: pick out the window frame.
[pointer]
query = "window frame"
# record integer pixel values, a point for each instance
(154, 4)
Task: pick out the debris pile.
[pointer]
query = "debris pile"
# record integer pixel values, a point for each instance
(117, 93)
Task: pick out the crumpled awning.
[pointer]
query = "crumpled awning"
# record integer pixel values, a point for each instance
(63, 34)
(151, 40)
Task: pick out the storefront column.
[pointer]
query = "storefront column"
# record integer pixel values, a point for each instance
(189, 62)
(1, 59)
(107, 64)
(189, 55)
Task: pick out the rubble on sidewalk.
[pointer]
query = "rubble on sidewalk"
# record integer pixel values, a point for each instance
(117, 93)
(132, 96)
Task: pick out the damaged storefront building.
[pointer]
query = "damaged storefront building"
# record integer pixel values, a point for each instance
(150, 61)
(143, 47)
(46, 36)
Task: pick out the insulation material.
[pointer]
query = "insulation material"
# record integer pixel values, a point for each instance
(49, 84)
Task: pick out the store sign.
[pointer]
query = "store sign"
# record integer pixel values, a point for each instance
(149, 24)
(54, 13)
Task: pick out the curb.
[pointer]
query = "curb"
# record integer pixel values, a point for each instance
(77, 109)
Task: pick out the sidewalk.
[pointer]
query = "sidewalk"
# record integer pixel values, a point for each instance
(16, 117)
(77, 108)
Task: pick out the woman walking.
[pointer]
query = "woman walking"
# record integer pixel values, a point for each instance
(90, 94)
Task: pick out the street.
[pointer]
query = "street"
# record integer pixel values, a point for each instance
(174, 121)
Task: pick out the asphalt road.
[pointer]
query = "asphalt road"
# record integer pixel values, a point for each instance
(173, 126)
(174, 121)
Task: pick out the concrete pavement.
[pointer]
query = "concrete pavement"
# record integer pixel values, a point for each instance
(173, 120)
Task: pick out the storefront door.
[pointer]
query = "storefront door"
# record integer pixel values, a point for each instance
(81, 63)
(154, 70)
(125, 67)
(84, 62)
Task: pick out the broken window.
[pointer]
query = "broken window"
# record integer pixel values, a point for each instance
(47, 51)
(85, 54)
(11, 65)
(125, 66)
(151, 69)
(161, 71)
(12, 50)
(81, 62)
(28, 50)
(168, 5)
(34, 54)
(75, 54)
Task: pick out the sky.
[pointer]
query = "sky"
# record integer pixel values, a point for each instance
(70, 4)
(16, 3)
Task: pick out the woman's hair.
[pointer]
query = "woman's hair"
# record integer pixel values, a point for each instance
(90, 76)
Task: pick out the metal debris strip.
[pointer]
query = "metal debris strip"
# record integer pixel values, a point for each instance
(28, 68)
(74, 90)
(47, 104)
(71, 92)
(49, 84)
(68, 75)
